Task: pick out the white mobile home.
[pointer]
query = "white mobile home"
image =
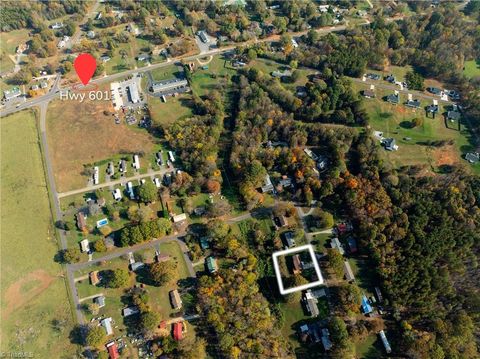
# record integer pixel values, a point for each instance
(136, 162)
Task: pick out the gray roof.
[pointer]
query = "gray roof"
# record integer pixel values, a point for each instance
(413, 103)
(393, 98)
(472, 157)
(100, 300)
(453, 115)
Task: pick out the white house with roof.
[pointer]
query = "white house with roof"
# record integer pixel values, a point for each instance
(85, 245)
(107, 325)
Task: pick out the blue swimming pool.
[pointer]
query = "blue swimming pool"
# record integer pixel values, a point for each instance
(102, 222)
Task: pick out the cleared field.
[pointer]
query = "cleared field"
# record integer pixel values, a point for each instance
(166, 73)
(80, 134)
(472, 68)
(212, 75)
(36, 315)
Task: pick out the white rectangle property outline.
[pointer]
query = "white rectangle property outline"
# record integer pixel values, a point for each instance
(275, 256)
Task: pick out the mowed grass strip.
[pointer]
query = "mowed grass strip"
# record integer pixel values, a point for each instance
(36, 315)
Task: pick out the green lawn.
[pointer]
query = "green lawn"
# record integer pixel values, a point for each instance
(472, 68)
(36, 313)
(395, 121)
(369, 348)
(165, 113)
(204, 81)
(166, 73)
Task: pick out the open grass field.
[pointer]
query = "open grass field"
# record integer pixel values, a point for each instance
(472, 68)
(80, 134)
(218, 73)
(36, 315)
(395, 121)
(165, 113)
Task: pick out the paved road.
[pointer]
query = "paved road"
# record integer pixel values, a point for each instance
(114, 183)
(109, 78)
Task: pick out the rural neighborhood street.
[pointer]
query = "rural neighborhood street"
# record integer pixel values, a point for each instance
(122, 180)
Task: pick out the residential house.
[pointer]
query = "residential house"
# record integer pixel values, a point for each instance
(175, 299)
(389, 144)
(95, 175)
(107, 325)
(280, 74)
(372, 76)
(100, 301)
(94, 277)
(335, 243)
(379, 294)
(472, 157)
(413, 103)
(13, 93)
(112, 350)
(204, 243)
(178, 331)
(310, 303)
(126, 312)
(297, 264)
(143, 57)
(352, 244)
(453, 115)
(434, 90)
(56, 26)
(203, 36)
(326, 342)
(117, 194)
(433, 109)
(91, 34)
(294, 43)
(85, 245)
(171, 157)
(385, 342)
(131, 194)
(136, 266)
(393, 98)
(267, 184)
(81, 221)
(43, 84)
(390, 78)
(368, 93)
(105, 58)
(348, 272)
(366, 306)
(179, 218)
(282, 221)
(289, 238)
(35, 87)
(211, 264)
(319, 293)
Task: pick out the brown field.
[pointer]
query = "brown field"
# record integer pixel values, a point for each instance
(446, 155)
(80, 134)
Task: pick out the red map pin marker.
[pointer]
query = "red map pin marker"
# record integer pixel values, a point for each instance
(85, 66)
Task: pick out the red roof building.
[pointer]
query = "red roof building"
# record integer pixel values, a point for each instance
(178, 331)
(112, 350)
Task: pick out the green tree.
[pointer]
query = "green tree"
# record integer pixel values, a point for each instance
(71, 255)
(149, 321)
(335, 261)
(162, 273)
(148, 192)
(116, 278)
(99, 246)
(414, 81)
(95, 336)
